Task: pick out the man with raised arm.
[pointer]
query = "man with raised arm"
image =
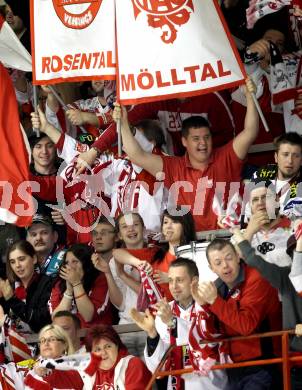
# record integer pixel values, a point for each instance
(193, 178)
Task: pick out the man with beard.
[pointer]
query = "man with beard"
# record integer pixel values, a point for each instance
(285, 174)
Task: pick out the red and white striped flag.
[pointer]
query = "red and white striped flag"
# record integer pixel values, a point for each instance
(16, 203)
(14, 347)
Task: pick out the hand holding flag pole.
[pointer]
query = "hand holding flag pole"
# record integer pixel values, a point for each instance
(61, 101)
(251, 88)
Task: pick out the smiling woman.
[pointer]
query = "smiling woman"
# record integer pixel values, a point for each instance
(25, 293)
(54, 343)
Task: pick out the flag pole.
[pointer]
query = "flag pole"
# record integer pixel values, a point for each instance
(259, 109)
(35, 93)
(61, 101)
(119, 137)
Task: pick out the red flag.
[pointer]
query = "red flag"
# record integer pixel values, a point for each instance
(16, 204)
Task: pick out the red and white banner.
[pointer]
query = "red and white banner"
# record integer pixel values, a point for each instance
(72, 40)
(169, 48)
(16, 203)
(12, 53)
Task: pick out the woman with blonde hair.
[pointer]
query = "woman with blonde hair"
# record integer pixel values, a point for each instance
(54, 343)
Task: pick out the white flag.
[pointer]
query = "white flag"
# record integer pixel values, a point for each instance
(73, 40)
(169, 48)
(12, 53)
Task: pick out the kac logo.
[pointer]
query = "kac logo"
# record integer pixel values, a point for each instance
(165, 14)
(77, 14)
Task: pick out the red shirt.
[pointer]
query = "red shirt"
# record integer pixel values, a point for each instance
(98, 295)
(147, 253)
(224, 167)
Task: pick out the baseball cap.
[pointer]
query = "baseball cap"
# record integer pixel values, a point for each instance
(41, 218)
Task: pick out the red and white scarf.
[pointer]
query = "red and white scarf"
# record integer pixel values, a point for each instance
(149, 294)
(204, 356)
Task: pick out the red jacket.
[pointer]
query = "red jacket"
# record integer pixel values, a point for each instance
(252, 306)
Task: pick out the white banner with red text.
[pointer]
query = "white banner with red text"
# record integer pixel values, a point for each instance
(72, 40)
(172, 48)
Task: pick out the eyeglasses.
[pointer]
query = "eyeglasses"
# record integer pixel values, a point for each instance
(104, 233)
(51, 340)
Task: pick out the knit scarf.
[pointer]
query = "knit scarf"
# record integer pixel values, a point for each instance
(149, 293)
(204, 356)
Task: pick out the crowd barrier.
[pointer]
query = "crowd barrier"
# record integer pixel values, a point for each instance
(285, 360)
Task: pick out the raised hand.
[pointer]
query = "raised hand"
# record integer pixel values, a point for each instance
(76, 117)
(99, 263)
(160, 277)
(208, 292)
(145, 321)
(6, 289)
(197, 296)
(39, 121)
(71, 275)
(164, 311)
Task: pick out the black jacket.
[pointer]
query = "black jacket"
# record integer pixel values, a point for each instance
(35, 310)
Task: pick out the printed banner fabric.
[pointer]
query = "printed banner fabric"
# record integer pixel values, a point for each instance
(169, 48)
(72, 40)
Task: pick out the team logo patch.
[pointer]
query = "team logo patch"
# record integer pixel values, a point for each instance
(266, 247)
(165, 14)
(235, 294)
(77, 14)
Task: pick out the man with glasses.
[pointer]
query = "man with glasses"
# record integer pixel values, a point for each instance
(104, 238)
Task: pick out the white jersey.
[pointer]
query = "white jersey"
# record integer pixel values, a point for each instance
(271, 245)
(216, 380)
